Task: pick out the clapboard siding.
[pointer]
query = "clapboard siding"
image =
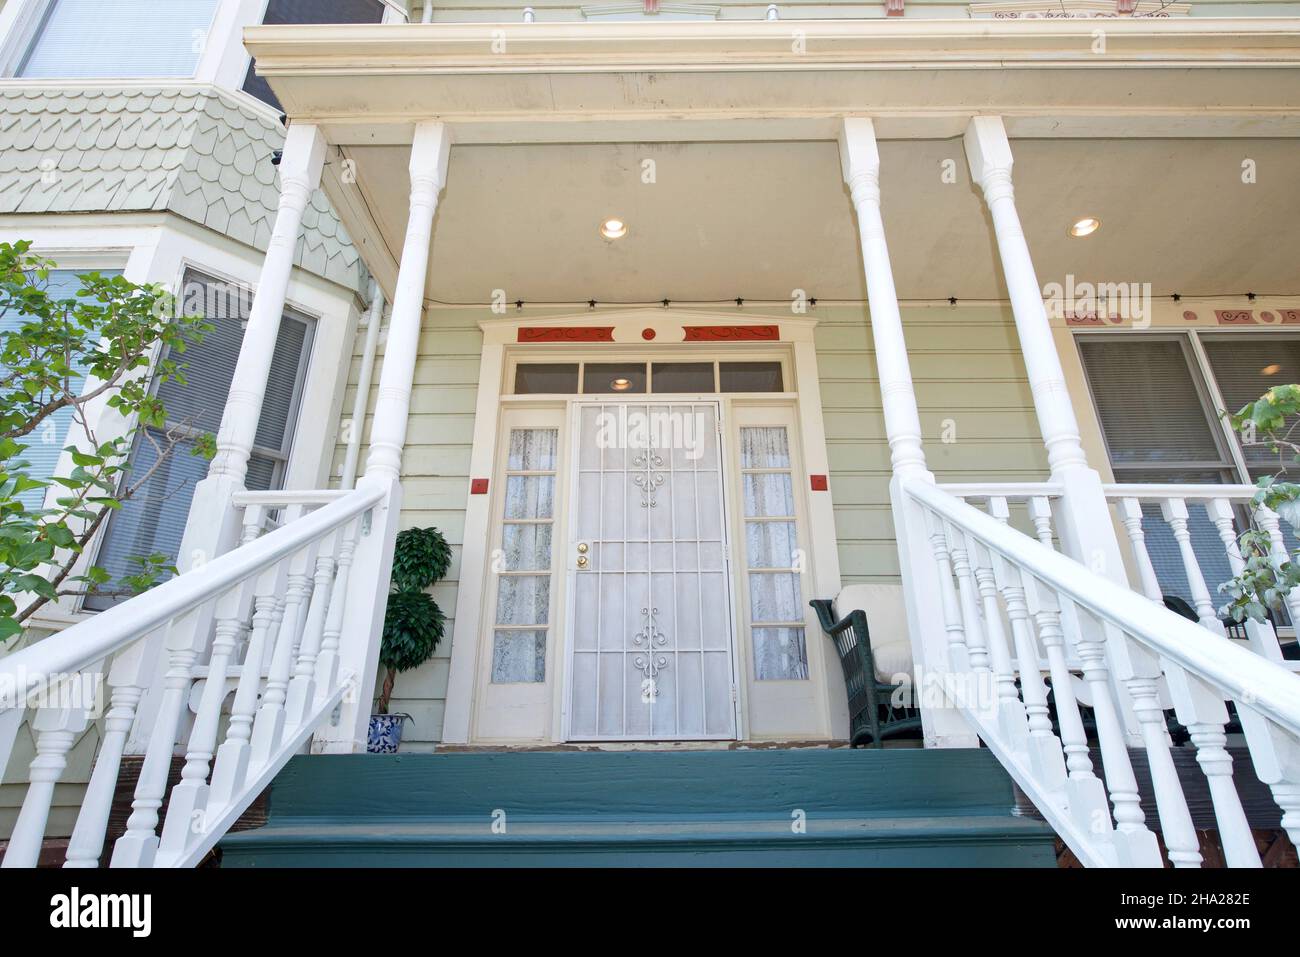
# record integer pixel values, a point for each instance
(435, 482)
(977, 417)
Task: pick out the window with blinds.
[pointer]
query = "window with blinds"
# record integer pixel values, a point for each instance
(153, 520)
(1159, 427)
(309, 11)
(46, 443)
(1244, 369)
(119, 38)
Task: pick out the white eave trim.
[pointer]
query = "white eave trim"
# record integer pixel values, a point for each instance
(731, 45)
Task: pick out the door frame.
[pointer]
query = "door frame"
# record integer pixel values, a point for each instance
(570, 572)
(620, 333)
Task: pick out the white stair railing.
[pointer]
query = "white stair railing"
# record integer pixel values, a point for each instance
(1008, 599)
(265, 617)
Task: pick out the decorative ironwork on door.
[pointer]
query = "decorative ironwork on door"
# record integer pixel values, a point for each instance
(651, 635)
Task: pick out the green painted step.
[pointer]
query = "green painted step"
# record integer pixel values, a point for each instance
(892, 807)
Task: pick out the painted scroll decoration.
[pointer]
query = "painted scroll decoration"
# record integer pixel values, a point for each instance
(565, 334)
(731, 333)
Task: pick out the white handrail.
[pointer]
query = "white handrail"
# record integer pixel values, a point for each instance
(1271, 690)
(1008, 490)
(1194, 493)
(1115, 654)
(114, 628)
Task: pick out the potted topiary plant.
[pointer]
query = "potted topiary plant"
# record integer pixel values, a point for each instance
(413, 624)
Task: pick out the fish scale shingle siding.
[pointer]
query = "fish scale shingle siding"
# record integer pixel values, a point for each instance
(196, 152)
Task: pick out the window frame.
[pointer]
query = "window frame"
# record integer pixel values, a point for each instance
(188, 269)
(31, 17)
(1207, 391)
(648, 359)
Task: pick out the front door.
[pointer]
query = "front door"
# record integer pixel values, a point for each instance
(650, 636)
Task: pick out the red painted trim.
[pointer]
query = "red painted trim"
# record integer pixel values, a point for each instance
(1234, 317)
(1290, 317)
(478, 486)
(819, 483)
(566, 334)
(731, 333)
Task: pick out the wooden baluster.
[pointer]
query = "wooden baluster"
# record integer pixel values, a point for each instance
(138, 847)
(57, 730)
(994, 632)
(231, 768)
(1136, 842)
(188, 802)
(958, 652)
(302, 687)
(1275, 753)
(1130, 513)
(1260, 634)
(1175, 515)
(327, 665)
(1040, 513)
(1138, 669)
(1032, 688)
(1073, 739)
(131, 671)
(268, 728)
(11, 719)
(1201, 710)
(1268, 520)
(968, 596)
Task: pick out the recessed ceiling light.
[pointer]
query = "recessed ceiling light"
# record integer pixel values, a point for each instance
(621, 385)
(1273, 369)
(1085, 227)
(613, 229)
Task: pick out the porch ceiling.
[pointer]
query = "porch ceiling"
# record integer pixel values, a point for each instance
(761, 219)
(554, 121)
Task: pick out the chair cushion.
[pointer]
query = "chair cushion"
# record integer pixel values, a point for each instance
(886, 624)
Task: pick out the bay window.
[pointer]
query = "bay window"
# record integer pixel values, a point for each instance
(118, 38)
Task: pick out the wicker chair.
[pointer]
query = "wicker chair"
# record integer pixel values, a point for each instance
(869, 696)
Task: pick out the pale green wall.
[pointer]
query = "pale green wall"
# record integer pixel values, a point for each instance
(966, 366)
(967, 370)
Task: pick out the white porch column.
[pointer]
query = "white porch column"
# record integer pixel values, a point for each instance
(368, 585)
(860, 163)
(1084, 524)
(1083, 519)
(301, 163)
(213, 524)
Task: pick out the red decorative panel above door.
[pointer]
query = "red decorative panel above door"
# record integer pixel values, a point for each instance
(732, 333)
(566, 334)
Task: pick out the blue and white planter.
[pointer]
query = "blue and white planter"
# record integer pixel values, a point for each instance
(385, 733)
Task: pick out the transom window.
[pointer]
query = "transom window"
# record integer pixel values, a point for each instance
(637, 378)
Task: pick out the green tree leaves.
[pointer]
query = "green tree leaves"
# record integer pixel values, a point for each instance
(117, 336)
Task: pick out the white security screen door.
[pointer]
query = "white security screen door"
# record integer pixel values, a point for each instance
(650, 628)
